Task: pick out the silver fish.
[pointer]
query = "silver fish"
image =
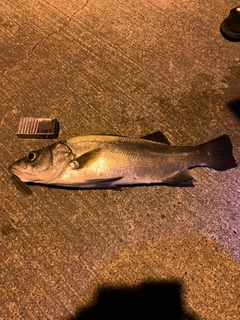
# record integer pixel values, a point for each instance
(105, 161)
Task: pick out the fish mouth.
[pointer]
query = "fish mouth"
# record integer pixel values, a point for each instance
(12, 169)
(16, 176)
(15, 172)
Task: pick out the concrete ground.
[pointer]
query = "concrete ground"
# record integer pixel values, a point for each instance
(131, 68)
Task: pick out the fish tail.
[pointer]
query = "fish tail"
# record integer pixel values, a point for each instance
(220, 156)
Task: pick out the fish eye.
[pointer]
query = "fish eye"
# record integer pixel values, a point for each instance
(32, 156)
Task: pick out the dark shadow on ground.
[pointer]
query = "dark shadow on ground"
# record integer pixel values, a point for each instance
(234, 106)
(24, 187)
(148, 301)
(188, 184)
(20, 186)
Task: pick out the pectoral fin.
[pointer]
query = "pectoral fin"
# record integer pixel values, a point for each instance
(180, 177)
(104, 180)
(86, 159)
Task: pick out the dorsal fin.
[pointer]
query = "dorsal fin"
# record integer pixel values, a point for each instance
(157, 136)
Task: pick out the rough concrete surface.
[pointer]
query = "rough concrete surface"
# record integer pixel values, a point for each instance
(131, 68)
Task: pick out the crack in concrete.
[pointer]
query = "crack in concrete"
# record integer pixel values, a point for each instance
(59, 30)
(30, 52)
(86, 3)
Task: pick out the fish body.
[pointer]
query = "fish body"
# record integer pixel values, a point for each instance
(100, 161)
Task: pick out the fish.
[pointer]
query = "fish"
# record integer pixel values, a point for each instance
(111, 161)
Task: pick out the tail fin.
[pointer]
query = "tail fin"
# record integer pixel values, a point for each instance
(220, 153)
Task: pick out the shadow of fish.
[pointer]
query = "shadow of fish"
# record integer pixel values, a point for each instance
(105, 161)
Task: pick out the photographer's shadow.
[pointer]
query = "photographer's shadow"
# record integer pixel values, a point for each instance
(148, 301)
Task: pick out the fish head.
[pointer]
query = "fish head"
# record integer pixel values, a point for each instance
(44, 165)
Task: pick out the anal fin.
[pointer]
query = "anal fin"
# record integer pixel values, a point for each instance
(179, 177)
